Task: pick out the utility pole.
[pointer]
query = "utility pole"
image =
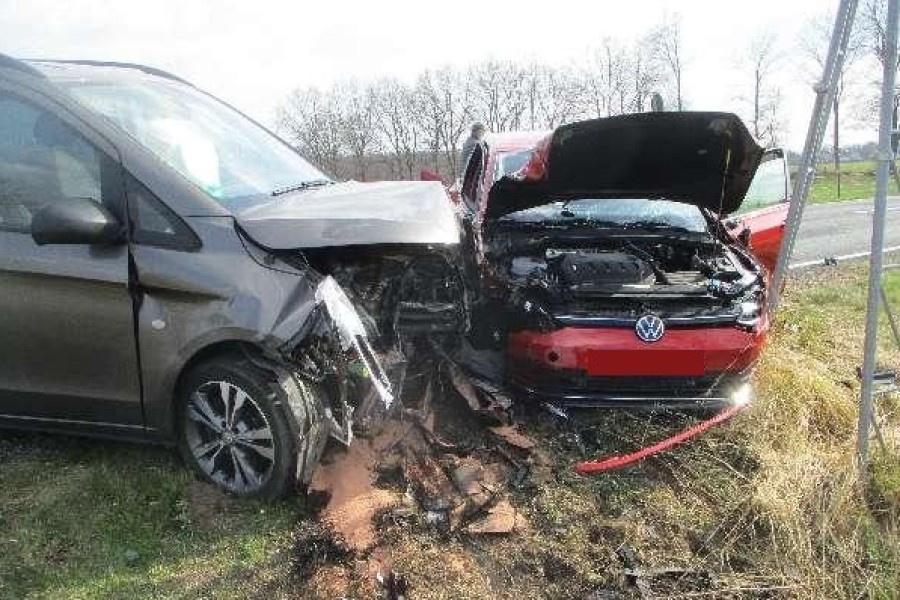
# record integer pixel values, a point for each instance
(876, 264)
(825, 93)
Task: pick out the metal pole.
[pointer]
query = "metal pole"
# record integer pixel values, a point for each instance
(825, 89)
(885, 158)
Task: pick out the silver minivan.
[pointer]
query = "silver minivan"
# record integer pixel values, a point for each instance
(159, 280)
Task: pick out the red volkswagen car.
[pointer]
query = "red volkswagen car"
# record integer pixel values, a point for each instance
(624, 261)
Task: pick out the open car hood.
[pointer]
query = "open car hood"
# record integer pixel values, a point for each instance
(703, 158)
(353, 213)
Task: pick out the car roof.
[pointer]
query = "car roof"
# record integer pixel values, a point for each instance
(508, 141)
(59, 70)
(95, 70)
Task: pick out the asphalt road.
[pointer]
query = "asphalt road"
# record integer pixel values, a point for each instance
(842, 230)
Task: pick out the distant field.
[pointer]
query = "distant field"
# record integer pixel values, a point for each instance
(857, 181)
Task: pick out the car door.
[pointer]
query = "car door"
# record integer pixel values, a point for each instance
(66, 314)
(763, 213)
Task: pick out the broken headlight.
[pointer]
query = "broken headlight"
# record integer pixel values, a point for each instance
(749, 312)
(352, 334)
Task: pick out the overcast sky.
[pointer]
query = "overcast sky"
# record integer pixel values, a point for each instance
(253, 53)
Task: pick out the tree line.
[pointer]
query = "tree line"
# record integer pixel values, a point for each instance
(392, 129)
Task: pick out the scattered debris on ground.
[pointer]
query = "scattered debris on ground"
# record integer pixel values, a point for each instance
(459, 470)
(316, 545)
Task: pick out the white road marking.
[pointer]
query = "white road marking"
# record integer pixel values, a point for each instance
(821, 261)
(869, 211)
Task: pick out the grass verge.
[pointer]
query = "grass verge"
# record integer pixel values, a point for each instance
(857, 181)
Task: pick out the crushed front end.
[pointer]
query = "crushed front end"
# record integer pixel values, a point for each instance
(618, 282)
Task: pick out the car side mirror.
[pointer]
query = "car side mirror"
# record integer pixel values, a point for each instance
(75, 221)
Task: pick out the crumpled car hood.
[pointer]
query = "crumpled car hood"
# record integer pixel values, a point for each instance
(354, 213)
(703, 158)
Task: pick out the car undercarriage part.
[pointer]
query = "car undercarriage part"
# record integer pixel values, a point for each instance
(740, 402)
(332, 351)
(307, 420)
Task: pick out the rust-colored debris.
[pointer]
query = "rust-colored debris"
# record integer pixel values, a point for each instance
(501, 518)
(353, 500)
(433, 489)
(423, 465)
(512, 436)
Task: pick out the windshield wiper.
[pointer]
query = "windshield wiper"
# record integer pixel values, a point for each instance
(303, 185)
(653, 225)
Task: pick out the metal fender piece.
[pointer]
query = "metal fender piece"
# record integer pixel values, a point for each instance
(352, 332)
(617, 462)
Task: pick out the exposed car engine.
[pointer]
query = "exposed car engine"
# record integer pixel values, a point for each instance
(626, 277)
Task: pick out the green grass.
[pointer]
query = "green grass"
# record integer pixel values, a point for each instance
(83, 519)
(857, 181)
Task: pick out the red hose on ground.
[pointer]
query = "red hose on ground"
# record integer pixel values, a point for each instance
(617, 462)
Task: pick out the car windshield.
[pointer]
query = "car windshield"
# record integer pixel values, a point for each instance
(769, 185)
(231, 158)
(615, 212)
(510, 162)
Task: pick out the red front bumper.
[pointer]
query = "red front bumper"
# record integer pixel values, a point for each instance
(612, 363)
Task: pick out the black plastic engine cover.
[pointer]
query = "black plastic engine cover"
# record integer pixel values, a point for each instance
(597, 268)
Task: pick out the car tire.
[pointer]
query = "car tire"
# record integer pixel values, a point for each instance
(232, 431)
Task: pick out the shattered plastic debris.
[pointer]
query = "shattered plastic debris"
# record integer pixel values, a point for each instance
(353, 333)
(513, 437)
(482, 397)
(501, 518)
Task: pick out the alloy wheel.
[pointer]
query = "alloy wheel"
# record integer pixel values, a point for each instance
(229, 436)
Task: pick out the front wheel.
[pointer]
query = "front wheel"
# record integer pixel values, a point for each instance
(232, 433)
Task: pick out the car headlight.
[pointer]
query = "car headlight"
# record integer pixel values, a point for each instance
(749, 313)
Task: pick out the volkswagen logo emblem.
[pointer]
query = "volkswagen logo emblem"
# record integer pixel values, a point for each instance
(650, 328)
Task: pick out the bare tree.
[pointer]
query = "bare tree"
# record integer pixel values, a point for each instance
(761, 57)
(642, 75)
(873, 21)
(428, 112)
(668, 50)
(450, 90)
(391, 129)
(814, 45)
(603, 79)
(553, 96)
(358, 112)
(312, 121)
(395, 105)
(498, 94)
(873, 24)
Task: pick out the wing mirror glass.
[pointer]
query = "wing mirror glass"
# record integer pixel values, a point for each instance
(75, 221)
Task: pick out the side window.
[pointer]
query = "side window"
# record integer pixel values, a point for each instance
(43, 160)
(472, 178)
(153, 223)
(769, 185)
